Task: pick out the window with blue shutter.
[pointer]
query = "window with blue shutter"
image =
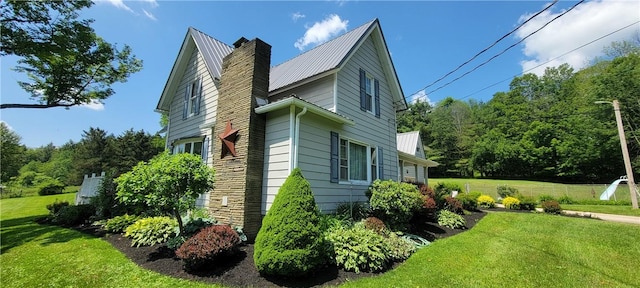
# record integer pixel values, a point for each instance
(205, 150)
(185, 108)
(363, 90)
(377, 97)
(380, 164)
(369, 93)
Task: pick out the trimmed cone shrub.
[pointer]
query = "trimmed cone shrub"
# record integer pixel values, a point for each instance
(207, 245)
(290, 241)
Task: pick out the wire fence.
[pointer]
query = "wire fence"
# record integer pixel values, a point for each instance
(574, 191)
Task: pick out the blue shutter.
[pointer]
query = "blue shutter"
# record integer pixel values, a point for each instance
(199, 100)
(380, 164)
(363, 90)
(334, 157)
(205, 150)
(185, 108)
(377, 97)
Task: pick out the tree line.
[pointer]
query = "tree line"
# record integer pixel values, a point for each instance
(96, 152)
(544, 127)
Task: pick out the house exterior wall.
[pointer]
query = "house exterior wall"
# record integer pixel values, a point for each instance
(319, 92)
(195, 125)
(369, 129)
(276, 155)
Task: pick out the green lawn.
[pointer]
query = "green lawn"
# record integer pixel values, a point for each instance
(502, 250)
(607, 209)
(524, 250)
(536, 188)
(11, 192)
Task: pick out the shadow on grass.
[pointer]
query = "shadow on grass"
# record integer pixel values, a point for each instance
(18, 231)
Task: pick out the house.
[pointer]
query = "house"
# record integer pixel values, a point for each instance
(412, 166)
(330, 111)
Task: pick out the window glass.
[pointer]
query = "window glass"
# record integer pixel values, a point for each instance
(357, 162)
(374, 163)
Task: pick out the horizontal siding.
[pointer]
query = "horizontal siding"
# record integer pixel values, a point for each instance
(369, 129)
(318, 92)
(193, 126)
(276, 156)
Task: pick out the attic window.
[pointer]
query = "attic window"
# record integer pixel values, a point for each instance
(417, 149)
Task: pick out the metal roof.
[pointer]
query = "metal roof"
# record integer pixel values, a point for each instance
(320, 59)
(213, 51)
(408, 142)
(313, 108)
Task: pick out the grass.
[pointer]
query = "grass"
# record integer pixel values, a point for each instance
(20, 191)
(524, 250)
(606, 209)
(35, 255)
(536, 188)
(504, 249)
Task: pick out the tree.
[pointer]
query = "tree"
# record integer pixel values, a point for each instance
(93, 153)
(66, 62)
(11, 153)
(289, 242)
(168, 183)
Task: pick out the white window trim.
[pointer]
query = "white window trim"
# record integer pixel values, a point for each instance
(182, 142)
(368, 165)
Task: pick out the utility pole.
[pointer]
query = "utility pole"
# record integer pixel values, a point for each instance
(625, 155)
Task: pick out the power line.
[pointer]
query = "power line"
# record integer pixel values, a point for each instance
(552, 59)
(489, 47)
(505, 50)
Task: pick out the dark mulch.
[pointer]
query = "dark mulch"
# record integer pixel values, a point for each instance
(240, 271)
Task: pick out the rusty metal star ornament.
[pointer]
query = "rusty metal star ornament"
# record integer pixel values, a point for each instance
(228, 138)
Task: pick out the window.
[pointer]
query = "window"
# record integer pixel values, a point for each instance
(354, 162)
(192, 99)
(369, 93)
(196, 146)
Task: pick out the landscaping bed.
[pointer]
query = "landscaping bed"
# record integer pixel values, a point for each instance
(240, 271)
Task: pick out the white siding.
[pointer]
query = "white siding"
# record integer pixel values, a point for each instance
(200, 125)
(369, 129)
(276, 156)
(318, 92)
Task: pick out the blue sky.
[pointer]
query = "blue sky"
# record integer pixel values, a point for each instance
(426, 39)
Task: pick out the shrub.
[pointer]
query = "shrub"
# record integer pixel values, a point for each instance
(290, 241)
(73, 214)
(56, 206)
(453, 205)
(150, 231)
(511, 203)
(505, 191)
(429, 205)
(354, 211)
(191, 227)
(119, 224)
(486, 201)
(551, 207)
(394, 202)
(527, 203)
(451, 220)
(399, 249)
(375, 224)
(565, 199)
(469, 201)
(50, 187)
(545, 197)
(358, 249)
(205, 246)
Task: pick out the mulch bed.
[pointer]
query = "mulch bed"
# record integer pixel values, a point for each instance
(240, 271)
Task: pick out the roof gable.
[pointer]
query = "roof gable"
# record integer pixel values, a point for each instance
(212, 50)
(408, 142)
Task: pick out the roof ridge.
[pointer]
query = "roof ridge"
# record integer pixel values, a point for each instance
(205, 34)
(327, 42)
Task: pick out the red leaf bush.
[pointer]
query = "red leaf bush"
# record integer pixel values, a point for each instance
(206, 245)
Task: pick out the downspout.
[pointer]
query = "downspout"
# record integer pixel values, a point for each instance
(297, 137)
(292, 112)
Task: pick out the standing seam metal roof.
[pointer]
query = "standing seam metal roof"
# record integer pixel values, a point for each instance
(407, 142)
(322, 58)
(213, 51)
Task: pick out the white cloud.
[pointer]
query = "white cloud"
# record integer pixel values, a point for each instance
(94, 105)
(119, 4)
(149, 15)
(422, 97)
(296, 16)
(579, 26)
(153, 3)
(320, 32)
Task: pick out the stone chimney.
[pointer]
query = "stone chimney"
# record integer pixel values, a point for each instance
(237, 196)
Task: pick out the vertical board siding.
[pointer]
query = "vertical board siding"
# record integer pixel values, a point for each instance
(319, 92)
(276, 156)
(191, 127)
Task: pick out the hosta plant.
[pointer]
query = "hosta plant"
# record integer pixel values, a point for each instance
(151, 231)
(358, 249)
(451, 220)
(119, 224)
